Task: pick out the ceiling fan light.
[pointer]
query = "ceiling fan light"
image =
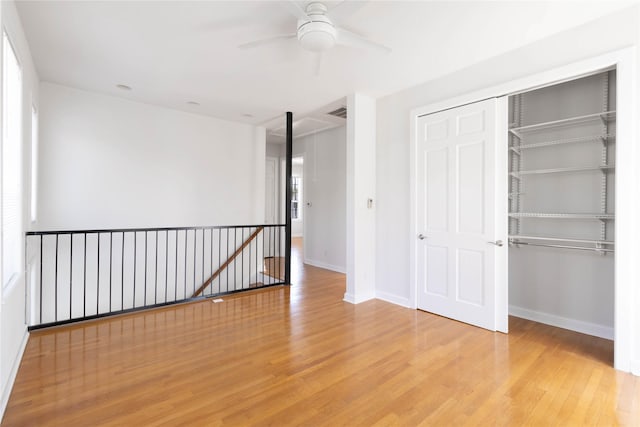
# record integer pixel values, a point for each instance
(317, 41)
(317, 36)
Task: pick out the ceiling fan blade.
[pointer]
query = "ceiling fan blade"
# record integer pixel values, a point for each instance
(347, 38)
(345, 9)
(266, 40)
(294, 9)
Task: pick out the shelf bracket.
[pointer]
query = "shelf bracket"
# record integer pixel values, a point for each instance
(604, 153)
(600, 249)
(516, 134)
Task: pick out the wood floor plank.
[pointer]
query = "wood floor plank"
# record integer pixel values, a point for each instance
(300, 355)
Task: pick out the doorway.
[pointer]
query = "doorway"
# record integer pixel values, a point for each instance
(297, 197)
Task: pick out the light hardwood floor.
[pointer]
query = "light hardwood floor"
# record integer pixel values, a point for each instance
(299, 355)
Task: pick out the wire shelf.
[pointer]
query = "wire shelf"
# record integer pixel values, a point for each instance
(605, 117)
(561, 170)
(589, 138)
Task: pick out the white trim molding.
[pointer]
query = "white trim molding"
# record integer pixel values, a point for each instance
(8, 387)
(588, 328)
(393, 299)
(351, 298)
(326, 266)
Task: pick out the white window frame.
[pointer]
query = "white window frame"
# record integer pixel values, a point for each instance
(33, 204)
(11, 162)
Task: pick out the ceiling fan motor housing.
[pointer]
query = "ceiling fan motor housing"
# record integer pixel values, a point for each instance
(318, 33)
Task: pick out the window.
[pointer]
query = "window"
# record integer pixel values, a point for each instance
(295, 197)
(33, 205)
(11, 163)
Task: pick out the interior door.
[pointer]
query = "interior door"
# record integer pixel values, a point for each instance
(461, 215)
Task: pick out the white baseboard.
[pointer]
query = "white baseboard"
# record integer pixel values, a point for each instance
(6, 393)
(319, 264)
(563, 322)
(393, 299)
(635, 367)
(353, 299)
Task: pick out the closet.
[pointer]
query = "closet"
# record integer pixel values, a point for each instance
(561, 204)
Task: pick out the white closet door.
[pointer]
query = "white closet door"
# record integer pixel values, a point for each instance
(458, 254)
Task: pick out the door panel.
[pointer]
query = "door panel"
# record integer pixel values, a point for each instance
(437, 130)
(471, 123)
(470, 270)
(436, 187)
(471, 188)
(457, 217)
(437, 258)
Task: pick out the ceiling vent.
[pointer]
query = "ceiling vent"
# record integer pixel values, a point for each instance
(340, 112)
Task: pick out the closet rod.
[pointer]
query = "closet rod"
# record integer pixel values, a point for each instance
(562, 239)
(581, 248)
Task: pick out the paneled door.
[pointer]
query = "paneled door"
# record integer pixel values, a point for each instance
(461, 242)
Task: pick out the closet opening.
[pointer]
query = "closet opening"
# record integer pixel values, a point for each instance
(561, 199)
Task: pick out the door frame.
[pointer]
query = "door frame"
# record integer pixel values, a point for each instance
(627, 205)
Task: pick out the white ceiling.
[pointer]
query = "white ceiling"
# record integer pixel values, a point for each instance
(172, 52)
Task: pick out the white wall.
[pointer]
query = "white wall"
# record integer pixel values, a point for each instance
(275, 150)
(13, 329)
(392, 232)
(106, 163)
(325, 188)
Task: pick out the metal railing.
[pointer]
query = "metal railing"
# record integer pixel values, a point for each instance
(86, 274)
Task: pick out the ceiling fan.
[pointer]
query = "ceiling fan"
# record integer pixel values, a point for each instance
(316, 31)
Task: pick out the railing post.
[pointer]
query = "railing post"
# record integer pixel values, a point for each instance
(287, 247)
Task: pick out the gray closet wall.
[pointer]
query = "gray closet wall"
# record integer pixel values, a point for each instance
(562, 188)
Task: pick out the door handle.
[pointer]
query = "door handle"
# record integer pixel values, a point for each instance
(497, 243)
(421, 236)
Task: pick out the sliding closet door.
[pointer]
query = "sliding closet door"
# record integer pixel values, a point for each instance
(461, 256)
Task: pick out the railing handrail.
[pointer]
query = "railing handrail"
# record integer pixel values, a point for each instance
(77, 275)
(131, 230)
(229, 260)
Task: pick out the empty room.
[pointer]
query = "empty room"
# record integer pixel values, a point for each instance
(342, 212)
